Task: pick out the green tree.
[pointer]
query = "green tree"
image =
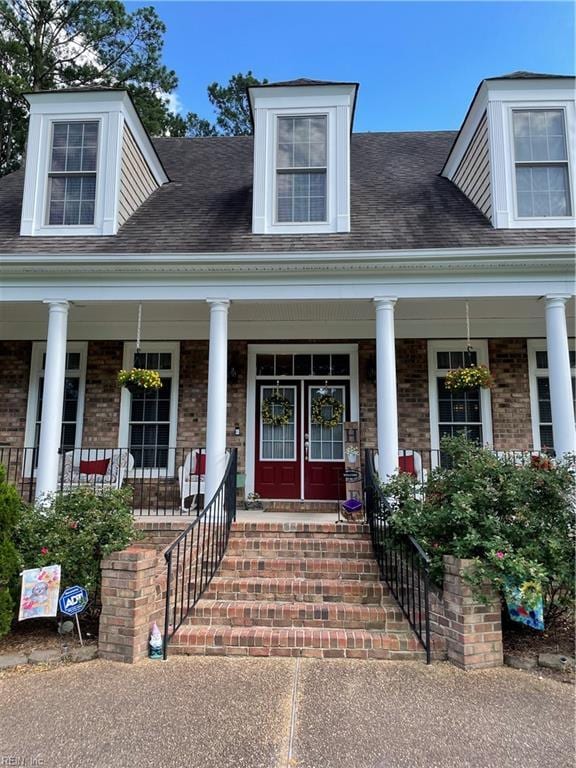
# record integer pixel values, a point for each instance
(230, 103)
(46, 44)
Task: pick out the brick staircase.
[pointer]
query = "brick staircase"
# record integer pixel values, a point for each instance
(298, 589)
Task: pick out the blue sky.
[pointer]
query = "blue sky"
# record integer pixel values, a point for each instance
(418, 63)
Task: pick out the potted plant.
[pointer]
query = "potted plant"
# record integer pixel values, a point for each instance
(352, 452)
(470, 377)
(253, 501)
(138, 379)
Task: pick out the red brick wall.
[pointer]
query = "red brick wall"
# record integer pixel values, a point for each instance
(14, 380)
(511, 419)
(102, 396)
(510, 396)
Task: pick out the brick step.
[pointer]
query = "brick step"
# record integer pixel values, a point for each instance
(294, 590)
(242, 546)
(295, 641)
(300, 530)
(239, 613)
(298, 568)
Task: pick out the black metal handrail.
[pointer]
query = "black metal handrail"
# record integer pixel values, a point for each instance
(193, 558)
(403, 564)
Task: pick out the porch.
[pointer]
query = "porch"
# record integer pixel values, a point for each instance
(384, 359)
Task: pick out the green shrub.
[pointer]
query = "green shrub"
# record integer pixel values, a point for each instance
(10, 507)
(514, 521)
(77, 530)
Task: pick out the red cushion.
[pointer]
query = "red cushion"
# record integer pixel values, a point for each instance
(406, 464)
(98, 467)
(199, 464)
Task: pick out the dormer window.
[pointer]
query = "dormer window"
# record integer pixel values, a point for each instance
(541, 163)
(89, 163)
(301, 157)
(72, 174)
(301, 169)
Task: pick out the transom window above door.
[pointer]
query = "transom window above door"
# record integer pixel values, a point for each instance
(303, 365)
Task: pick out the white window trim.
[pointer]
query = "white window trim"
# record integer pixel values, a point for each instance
(289, 226)
(539, 345)
(301, 227)
(173, 347)
(481, 348)
(344, 420)
(294, 388)
(40, 215)
(541, 222)
(38, 351)
(256, 349)
(524, 220)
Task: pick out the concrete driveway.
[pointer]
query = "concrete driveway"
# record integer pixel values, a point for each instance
(283, 713)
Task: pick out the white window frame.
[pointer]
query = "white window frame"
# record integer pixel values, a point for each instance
(43, 191)
(540, 163)
(66, 174)
(292, 224)
(173, 347)
(341, 387)
(36, 369)
(481, 349)
(284, 386)
(539, 345)
(569, 113)
(278, 349)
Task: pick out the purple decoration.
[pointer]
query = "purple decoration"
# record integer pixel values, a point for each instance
(352, 505)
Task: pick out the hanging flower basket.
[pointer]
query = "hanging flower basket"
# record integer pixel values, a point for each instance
(469, 378)
(138, 379)
(327, 411)
(269, 410)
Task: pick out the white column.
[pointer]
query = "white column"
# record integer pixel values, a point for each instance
(217, 396)
(52, 399)
(386, 399)
(560, 375)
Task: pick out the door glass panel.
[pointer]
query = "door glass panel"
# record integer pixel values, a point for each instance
(278, 442)
(302, 365)
(326, 443)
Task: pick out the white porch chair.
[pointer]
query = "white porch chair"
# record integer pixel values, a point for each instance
(404, 462)
(80, 468)
(192, 477)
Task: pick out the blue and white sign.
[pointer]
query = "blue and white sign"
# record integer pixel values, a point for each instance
(73, 600)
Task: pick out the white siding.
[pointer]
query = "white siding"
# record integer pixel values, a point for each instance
(136, 180)
(473, 173)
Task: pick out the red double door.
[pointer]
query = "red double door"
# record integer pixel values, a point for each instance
(300, 459)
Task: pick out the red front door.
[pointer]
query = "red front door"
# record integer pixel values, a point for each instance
(324, 445)
(298, 458)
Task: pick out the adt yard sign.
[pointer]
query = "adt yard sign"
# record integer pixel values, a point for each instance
(73, 600)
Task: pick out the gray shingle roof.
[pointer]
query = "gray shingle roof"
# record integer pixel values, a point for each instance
(398, 202)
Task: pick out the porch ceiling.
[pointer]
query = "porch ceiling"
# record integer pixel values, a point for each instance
(303, 320)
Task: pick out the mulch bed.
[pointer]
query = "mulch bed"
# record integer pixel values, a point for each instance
(528, 643)
(41, 634)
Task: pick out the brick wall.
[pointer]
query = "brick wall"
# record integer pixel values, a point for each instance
(511, 418)
(510, 396)
(14, 379)
(471, 630)
(102, 396)
(133, 593)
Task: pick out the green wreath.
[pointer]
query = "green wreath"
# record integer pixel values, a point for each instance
(280, 419)
(326, 401)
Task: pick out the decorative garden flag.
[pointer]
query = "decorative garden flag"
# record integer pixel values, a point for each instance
(529, 612)
(40, 588)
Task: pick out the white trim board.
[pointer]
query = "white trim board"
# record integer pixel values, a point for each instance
(253, 350)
